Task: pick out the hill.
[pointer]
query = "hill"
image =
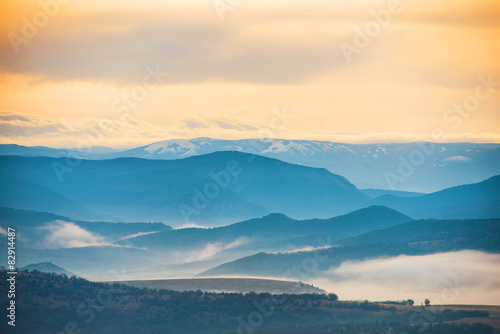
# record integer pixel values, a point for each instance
(412, 238)
(366, 165)
(49, 302)
(91, 261)
(240, 285)
(42, 151)
(47, 267)
(214, 188)
(272, 232)
(480, 234)
(374, 193)
(35, 227)
(479, 200)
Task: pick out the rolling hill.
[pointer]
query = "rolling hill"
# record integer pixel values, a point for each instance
(217, 188)
(34, 227)
(412, 238)
(445, 164)
(47, 267)
(236, 285)
(479, 200)
(46, 300)
(272, 232)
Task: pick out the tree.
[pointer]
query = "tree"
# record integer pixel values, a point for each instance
(427, 302)
(333, 297)
(410, 302)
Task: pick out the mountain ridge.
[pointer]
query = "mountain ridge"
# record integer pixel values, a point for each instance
(226, 186)
(366, 165)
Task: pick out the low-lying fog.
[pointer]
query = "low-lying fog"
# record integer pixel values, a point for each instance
(465, 277)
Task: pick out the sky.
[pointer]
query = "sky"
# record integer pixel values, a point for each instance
(77, 73)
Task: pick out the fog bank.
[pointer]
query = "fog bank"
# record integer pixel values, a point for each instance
(465, 277)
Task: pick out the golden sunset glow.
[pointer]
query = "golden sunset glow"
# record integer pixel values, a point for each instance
(347, 71)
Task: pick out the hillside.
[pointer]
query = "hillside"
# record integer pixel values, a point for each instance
(240, 285)
(275, 231)
(47, 267)
(479, 200)
(413, 238)
(366, 165)
(374, 193)
(214, 188)
(36, 227)
(49, 302)
(481, 234)
(90, 261)
(43, 151)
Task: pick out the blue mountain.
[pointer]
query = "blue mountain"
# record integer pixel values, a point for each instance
(216, 188)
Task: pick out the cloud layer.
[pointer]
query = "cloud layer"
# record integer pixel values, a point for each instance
(61, 234)
(226, 76)
(80, 133)
(466, 277)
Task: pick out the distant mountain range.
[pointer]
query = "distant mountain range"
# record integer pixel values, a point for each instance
(217, 188)
(103, 246)
(35, 227)
(480, 200)
(272, 232)
(152, 249)
(418, 167)
(412, 238)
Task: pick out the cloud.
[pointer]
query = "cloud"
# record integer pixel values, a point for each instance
(302, 249)
(116, 47)
(13, 117)
(467, 277)
(194, 124)
(210, 250)
(190, 225)
(2, 230)
(79, 132)
(83, 132)
(260, 45)
(137, 235)
(62, 234)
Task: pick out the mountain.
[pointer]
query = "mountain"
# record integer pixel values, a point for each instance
(412, 238)
(417, 167)
(272, 232)
(480, 200)
(438, 165)
(480, 234)
(90, 261)
(17, 192)
(85, 248)
(374, 193)
(215, 188)
(47, 267)
(42, 151)
(42, 229)
(154, 250)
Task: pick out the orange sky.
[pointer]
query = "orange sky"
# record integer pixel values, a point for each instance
(232, 70)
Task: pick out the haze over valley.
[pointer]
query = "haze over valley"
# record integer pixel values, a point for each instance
(250, 167)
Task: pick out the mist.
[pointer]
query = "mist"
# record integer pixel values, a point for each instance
(465, 277)
(61, 234)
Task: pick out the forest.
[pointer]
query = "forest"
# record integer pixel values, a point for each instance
(51, 303)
